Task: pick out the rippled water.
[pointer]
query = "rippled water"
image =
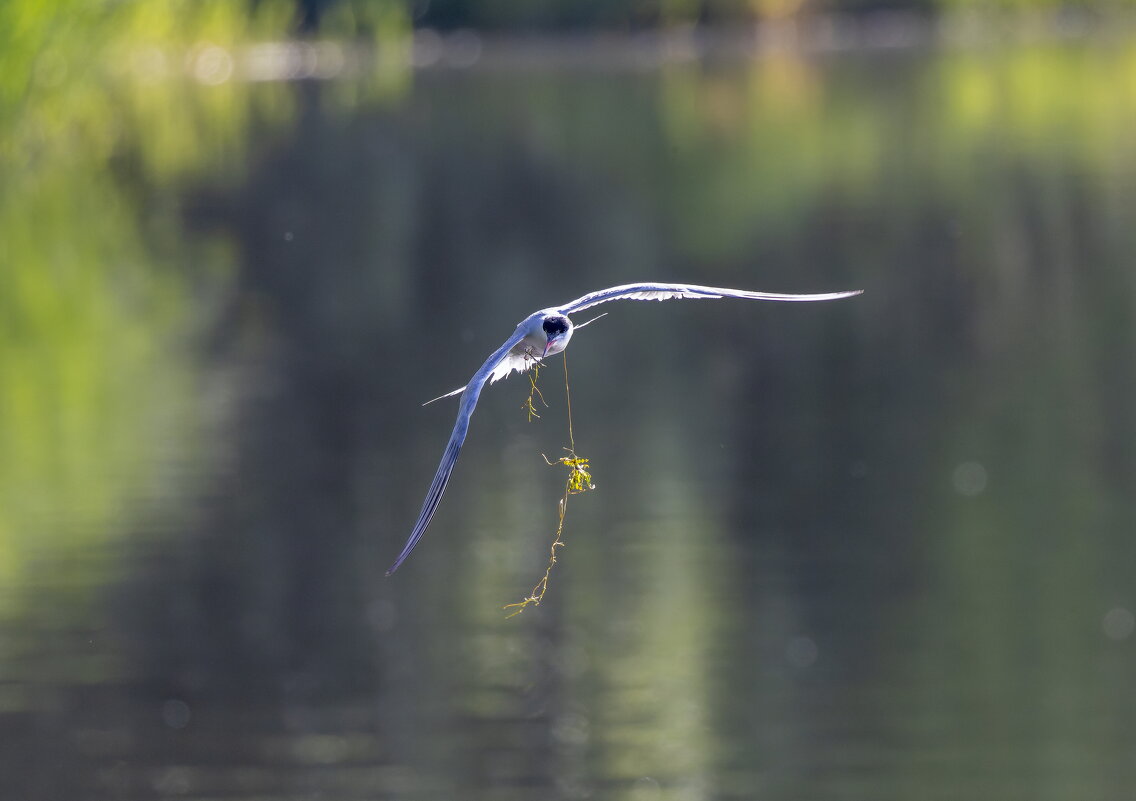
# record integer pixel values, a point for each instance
(874, 549)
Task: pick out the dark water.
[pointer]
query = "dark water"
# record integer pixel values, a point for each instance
(875, 549)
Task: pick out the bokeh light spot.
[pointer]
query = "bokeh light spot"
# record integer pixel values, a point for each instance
(175, 713)
(801, 652)
(211, 64)
(1118, 623)
(969, 478)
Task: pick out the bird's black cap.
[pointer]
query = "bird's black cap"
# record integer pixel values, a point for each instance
(554, 326)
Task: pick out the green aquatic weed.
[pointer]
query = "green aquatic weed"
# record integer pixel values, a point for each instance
(528, 406)
(579, 480)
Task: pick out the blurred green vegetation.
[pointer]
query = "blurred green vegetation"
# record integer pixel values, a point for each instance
(112, 114)
(554, 15)
(762, 152)
(983, 195)
(106, 110)
(103, 119)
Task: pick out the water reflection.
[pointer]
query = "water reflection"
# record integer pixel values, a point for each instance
(860, 551)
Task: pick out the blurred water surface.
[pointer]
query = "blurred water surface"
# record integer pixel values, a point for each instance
(874, 549)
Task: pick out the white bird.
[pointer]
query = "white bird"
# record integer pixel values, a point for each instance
(545, 333)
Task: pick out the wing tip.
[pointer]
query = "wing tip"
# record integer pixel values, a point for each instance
(398, 562)
(449, 394)
(847, 293)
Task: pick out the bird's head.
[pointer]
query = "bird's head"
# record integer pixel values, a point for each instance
(557, 330)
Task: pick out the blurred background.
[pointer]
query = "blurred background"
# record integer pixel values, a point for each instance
(880, 548)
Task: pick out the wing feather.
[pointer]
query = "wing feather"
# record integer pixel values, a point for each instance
(670, 291)
(457, 437)
(513, 362)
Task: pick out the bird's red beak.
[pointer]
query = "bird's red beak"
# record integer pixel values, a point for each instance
(547, 345)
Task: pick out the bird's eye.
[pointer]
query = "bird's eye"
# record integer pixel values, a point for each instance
(555, 326)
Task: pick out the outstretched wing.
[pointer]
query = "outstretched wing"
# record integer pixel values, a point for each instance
(502, 363)
(668, 291)
(450, 455)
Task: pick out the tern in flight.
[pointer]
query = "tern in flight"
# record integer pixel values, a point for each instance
(546, 333)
